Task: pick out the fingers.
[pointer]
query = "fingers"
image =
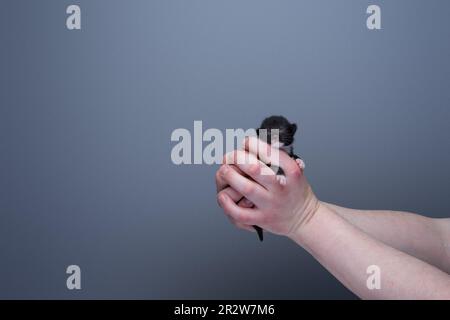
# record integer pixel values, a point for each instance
(272, 156)
(260, 149)
(243, 216)
(235, 196)
(221, 183)
(245, 203)
(241, 202)
(248, 188)
(249, 164)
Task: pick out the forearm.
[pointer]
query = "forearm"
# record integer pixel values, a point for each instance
(347, 252)
(413, 234)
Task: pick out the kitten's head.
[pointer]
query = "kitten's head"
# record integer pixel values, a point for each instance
(285, 128)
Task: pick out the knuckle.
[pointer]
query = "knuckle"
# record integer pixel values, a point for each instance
(218, 178)
(224, 158)
(239, 157)
(248, 189)
(253, 169)
(228, 158)
(295, 172)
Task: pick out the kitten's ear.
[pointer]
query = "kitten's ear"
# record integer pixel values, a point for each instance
(293, 128)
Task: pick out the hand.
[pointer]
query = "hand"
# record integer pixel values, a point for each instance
(280, 209)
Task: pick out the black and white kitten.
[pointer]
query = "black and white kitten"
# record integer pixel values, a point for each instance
(284, 141)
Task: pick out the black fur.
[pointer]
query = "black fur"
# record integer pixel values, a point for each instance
(286, 129)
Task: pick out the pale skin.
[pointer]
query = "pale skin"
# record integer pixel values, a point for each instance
(411, 251)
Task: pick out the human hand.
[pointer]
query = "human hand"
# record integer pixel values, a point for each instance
(280, 209)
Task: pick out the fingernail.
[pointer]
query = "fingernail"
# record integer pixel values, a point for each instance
(222, 199)
(255, 169)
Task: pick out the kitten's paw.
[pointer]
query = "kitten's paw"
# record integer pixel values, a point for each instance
(281, 179)
(300, 163)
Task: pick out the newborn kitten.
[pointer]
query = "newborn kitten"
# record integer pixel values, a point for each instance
(282, 141)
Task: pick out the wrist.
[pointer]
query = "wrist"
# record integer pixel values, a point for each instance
(310, 224)
(304, 212)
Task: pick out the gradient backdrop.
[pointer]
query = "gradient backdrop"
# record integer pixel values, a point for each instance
(86, 116)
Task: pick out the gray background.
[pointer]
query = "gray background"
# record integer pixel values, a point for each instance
(86, 116)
